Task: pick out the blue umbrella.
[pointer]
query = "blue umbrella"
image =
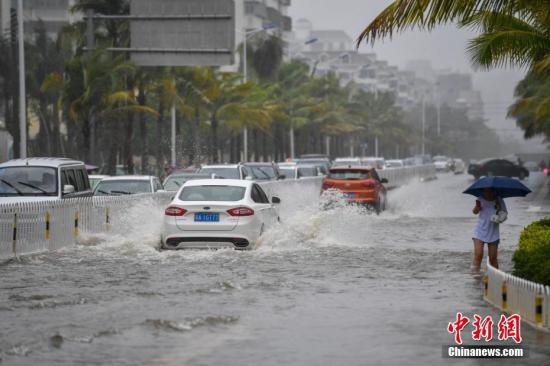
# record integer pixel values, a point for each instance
(503, 186)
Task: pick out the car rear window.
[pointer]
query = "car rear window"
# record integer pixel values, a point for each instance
(212, 193)
(121, 187)
(307, 172)
(227, 173)
(263, 172)
(349, 174)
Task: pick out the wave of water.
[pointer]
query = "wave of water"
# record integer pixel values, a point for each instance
(306, 223)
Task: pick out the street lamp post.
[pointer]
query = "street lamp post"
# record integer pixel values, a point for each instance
(22, 92)
(423, 125)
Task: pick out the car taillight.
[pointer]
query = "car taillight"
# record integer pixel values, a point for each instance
(369, 183)
(326, 185)
(241, 211)
(174, 211)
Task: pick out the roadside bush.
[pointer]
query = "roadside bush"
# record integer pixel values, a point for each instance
(532, 258)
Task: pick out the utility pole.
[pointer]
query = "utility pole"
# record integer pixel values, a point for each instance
(245, 72)
(173, 127)
(22, 92)
(423, 125)
(438, 118)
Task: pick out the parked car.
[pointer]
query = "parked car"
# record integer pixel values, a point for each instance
(263, 171)
(225, 171)
(128, 184)
(395, 163)
(497, 167)
(43, 179)
(320, 160)
(175, 180)
(95, 179)
(458, 166)
(218, 214)
(295, 171)
(374, 162)
(346, 162)
(441, 163)
(359, 185)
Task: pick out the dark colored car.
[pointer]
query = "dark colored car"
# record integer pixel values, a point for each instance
(264, 171)
(497, 167)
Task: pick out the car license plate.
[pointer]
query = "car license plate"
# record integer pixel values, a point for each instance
(207, 217)
(349, 194)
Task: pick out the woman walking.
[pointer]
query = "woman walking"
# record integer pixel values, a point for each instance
(492, 211)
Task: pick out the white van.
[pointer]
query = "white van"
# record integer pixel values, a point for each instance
(43, 179)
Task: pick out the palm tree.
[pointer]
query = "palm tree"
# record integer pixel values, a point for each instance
(512, 32)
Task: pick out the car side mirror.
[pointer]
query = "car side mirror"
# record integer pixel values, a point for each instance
(275, 200)
(383, 180)
(68, 189)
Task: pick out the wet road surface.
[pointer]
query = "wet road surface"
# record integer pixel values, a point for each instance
(331, 287)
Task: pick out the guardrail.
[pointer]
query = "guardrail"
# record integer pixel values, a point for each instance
(33, 227)
(400, 176)
(516, 295)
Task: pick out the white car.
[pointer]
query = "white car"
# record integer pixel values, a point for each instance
(395, 163)
(294, 171)
(374, 162)
(441, 163)
(459, 166)
(215, 214)
(346, 162)
(43, 179)
(128, 184)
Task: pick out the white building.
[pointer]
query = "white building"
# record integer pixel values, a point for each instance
(54, 14)
(5, 16)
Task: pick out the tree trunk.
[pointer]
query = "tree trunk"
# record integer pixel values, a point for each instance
(255, 144)
(232, 149)
(128, 146)
(265, 156)
(197, 138)
(214, 130)
(160, 142)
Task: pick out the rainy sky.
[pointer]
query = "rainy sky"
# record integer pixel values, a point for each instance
(445, 47)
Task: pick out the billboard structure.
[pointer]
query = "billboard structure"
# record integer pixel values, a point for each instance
(176, 33)
(182, 33)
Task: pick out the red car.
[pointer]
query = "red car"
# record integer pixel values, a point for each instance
(360, 185)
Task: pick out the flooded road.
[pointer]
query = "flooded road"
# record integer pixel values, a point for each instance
(331, 287)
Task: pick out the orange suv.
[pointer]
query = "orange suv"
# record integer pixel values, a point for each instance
(360, 185)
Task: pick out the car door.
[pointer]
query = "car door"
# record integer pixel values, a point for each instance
(510, 169)
(271, 210)
(263, 207)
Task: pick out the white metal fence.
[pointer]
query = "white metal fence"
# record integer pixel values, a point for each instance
(32, 227)
(516, 295)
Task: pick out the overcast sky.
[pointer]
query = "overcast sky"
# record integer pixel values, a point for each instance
(445, 47)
